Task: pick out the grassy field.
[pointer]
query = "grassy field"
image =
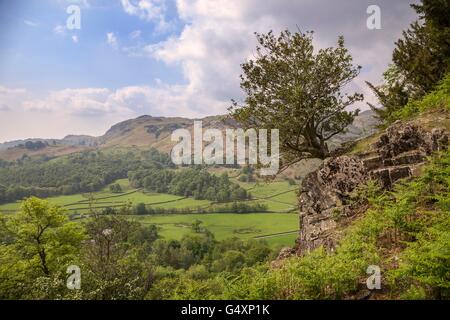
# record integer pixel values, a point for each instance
(80, 202)
(278, 229)
(105, 198)
(278, 196)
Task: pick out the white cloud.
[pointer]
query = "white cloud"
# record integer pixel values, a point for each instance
(6, 91)
(10, 98)
(83, 102)
(31, 23)
(135, 34)
(126, 101)
(59, 30)
(160, 99)
(83, 3)
(87, 110)
(219, 35)
(62, 31)
(111, 39)
(216, 38)
(149, 10)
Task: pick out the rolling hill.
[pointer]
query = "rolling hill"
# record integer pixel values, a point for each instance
(148, 131)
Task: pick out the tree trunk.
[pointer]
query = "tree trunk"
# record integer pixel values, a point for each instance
(44, 267)
(315, 142)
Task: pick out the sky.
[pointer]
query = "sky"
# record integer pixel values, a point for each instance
(160, 57)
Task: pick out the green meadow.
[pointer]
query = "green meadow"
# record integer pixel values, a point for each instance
(277, 226)
(278, 229)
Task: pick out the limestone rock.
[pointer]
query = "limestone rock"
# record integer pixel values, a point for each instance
(324, 199)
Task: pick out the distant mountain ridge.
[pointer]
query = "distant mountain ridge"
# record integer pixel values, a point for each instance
(69, 140)
(149, 131)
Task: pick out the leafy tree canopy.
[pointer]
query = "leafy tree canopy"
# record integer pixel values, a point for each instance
(291, 87)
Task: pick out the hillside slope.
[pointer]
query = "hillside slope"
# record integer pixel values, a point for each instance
(148, 131)
(384, 203)
(326, 201)
(355, 227)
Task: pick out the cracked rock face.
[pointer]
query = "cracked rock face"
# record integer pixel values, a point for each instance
(342, 174)
(400, 138)
(325, 196)
(324, 199)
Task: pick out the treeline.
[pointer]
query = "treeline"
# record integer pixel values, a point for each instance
(91, 171)
(81, 172)
(238, 207)
(189, 182)
(235, 207)
(30, 145)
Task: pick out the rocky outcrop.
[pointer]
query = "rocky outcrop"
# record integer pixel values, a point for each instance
(401, 150)
(325, 199)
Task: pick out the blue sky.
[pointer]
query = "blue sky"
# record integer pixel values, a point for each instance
(159, 57)
(35, 56)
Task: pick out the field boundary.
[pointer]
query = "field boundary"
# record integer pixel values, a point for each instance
(275, 234)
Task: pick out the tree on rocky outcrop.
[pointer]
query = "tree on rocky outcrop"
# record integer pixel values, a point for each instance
(291, 87)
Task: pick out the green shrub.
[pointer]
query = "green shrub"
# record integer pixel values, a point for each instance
(435, 100)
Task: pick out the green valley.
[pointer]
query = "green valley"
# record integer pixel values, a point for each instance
(278, 225)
